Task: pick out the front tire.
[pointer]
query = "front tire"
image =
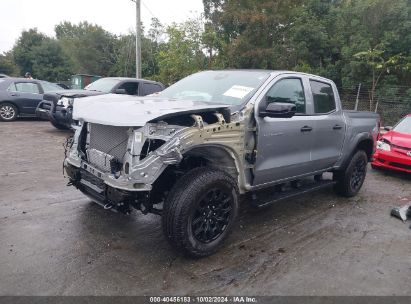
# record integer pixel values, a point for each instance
(59, 126)
(350, 181)
(200, 211)
(8, 112)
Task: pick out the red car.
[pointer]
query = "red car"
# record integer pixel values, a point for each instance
(394, 148)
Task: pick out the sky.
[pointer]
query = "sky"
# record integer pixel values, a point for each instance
(115, 16)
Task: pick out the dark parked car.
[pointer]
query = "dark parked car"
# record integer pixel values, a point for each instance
(20, 97)
(58, 106)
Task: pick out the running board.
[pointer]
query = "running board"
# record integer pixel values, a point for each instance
(274, 196)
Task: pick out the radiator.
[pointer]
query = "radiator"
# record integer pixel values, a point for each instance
(106, 143)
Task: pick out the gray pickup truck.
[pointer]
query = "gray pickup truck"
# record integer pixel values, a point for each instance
(192, 151)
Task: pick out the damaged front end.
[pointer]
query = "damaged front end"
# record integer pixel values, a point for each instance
(124, 167)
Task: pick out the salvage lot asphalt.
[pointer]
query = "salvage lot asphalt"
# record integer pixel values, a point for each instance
(54, 241)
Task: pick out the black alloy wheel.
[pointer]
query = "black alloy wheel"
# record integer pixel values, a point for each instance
(212, 215)
(358, 174)
(350, 180)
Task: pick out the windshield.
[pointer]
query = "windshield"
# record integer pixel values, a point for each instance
(404, 126)
(102, 85)
(48, 87)
(221, 87)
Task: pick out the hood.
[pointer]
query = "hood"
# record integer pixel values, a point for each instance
(78, 93)
(398, 139)
(56, 95)
(134, 111)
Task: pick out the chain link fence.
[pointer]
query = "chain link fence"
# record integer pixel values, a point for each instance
(391, 103)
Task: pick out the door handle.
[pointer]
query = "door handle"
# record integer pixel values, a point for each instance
(337, 127)
(14, 94)
(306, 129)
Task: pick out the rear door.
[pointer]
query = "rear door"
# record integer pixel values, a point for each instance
(329, 131)
(27, 94)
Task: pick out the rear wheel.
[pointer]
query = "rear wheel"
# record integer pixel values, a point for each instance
(350, 181)
(200, 210)
(8, 112)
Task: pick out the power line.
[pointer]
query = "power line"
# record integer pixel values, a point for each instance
(151, 13)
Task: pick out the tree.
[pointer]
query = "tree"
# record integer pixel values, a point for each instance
(252, 34)
(379, 64)
(7, 64)
(88, 46)
(183, 53)
(23, 53)
(50, 62)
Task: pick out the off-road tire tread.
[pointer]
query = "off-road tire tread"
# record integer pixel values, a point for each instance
(175, 206)
(343, 187)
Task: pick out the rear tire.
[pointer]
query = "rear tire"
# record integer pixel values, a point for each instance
(200, 211)
(8, 112)
(59, 126)
(350, 181)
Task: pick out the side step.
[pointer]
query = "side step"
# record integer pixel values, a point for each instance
(267, 197)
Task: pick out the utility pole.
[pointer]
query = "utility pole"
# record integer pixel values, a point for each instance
(138, 38)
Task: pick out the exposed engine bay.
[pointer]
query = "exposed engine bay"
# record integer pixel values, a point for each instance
(122, 167)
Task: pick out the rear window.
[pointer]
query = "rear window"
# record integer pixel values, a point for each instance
(49, 87)
(150, 88)
(323, 97)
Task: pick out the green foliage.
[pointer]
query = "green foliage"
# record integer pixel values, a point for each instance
(327, 37)
(50, 63)
(7, 65)
(41, 56)
(183, 53)
(89, 47)
(349, 41)
(23, 51)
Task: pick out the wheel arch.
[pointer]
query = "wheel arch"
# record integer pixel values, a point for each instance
(363, 141)
(13, 103)
(215, 156)
(367, 145)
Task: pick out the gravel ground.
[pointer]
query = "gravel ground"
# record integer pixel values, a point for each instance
(55, 241)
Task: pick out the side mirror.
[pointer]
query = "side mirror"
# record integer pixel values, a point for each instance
(279, 110)
(120, 91)
(388, 128)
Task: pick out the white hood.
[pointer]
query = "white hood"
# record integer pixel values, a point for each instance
(130, 111)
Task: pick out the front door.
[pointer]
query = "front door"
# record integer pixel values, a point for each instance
(284, 144)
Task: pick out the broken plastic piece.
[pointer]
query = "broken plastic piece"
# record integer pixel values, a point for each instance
(403, 213)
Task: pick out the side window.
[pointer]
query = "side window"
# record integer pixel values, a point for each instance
(130, 87)
(24, 87)
(150, 88)
(323, 96)
(12, 87)
(289, 90)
